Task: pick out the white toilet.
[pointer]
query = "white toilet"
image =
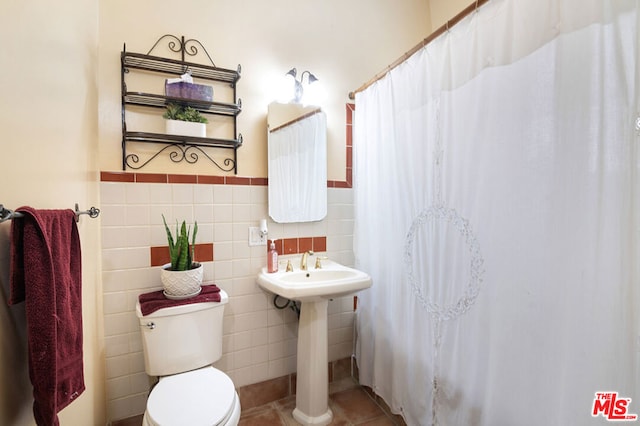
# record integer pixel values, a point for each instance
(180, 343)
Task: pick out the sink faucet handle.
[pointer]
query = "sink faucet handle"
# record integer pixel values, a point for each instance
(289, 266)
(319, 261)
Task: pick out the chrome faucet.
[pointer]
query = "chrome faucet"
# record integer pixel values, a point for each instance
(303, 261)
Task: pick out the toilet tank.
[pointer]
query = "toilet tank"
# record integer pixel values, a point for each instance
(182, 338)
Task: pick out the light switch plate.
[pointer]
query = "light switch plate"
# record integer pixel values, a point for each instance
(256, 238)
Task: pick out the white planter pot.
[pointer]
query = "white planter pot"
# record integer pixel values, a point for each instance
(185, 128)
(181, 284)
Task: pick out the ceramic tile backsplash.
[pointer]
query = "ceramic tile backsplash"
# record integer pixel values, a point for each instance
(259, 340)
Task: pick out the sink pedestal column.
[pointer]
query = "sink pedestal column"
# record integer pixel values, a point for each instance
(312, 388)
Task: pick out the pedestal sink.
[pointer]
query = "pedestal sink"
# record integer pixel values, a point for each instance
(314, 288)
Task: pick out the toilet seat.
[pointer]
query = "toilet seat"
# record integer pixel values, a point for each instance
(204, 397)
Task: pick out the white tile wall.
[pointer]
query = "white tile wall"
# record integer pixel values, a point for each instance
(259, 340)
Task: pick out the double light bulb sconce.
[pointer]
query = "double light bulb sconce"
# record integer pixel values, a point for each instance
(298, 90)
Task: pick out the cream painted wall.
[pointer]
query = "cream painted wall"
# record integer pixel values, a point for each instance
(48, 117)
(444, 10)
(342, 43)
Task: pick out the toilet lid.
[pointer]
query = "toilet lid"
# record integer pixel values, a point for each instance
(200, 397)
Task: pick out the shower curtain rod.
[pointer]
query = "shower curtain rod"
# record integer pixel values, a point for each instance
(7, 214)
(295, 120)
(443, 29)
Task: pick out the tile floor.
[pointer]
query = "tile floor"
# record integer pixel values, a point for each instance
(349, 402)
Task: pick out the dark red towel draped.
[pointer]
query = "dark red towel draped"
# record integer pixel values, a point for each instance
(46, 275)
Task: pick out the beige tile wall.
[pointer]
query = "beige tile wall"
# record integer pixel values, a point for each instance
(259, 340)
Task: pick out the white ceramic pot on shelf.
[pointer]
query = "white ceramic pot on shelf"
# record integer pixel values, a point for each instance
(186, 128)
(181, 284)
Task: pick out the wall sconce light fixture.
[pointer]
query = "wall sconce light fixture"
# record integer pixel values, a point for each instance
(298, 90)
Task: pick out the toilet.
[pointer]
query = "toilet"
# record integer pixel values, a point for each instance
(180, 343)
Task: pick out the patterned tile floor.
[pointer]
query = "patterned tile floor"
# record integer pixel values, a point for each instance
(350, 403)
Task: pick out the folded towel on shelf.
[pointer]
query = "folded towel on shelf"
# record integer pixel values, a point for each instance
(46, 274)
(151, 302)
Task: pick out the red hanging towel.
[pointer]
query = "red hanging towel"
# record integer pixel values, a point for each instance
(46, 275)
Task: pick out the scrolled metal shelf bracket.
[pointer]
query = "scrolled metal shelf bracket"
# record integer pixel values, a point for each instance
(179, 153)
(187, 47)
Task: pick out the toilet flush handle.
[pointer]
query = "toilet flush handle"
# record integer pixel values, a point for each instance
(151, 325)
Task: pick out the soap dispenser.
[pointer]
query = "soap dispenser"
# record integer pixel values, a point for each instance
(272, 258)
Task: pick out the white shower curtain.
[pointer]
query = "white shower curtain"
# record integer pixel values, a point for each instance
(496, 192)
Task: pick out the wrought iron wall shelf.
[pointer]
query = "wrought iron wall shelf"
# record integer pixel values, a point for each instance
(191, 140)
(160, 101)
(179, 148)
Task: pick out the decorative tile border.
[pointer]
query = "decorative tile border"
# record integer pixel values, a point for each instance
(301, 245)
(350, 109)
(133, 177)
(160, 255)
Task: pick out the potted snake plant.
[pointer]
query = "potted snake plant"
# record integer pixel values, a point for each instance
(182, 277)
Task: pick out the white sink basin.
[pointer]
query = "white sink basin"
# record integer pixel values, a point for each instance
(332, 280)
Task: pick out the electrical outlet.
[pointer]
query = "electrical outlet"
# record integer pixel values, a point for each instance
(256, 238)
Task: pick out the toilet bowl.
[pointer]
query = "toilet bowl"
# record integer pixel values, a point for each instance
(204, 397)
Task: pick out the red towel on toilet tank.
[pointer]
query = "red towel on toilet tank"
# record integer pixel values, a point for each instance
(46, 275)
(151, 302)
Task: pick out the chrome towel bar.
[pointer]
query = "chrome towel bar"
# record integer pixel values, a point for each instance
(7, 214)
